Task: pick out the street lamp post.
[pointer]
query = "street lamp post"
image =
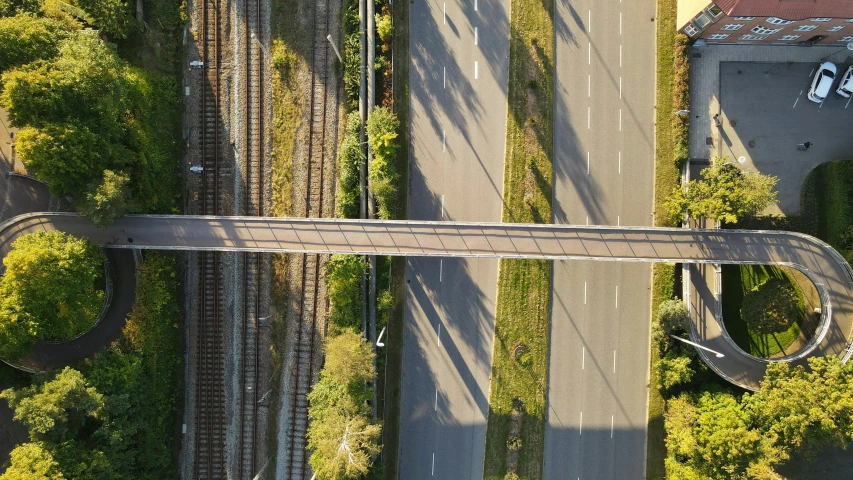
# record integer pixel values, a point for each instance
(718, 354)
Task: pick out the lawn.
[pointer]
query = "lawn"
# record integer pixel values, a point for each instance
(736, 281)
(520, 360)
(834, 187)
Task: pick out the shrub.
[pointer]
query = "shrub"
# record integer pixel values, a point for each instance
(344, 274)
(674, 369)
(382, 128)
(681, 99)
(673, 316)
(513, 442)
(384, 27)
(351, 157)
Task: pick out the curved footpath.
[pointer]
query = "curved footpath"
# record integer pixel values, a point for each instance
(822, 264)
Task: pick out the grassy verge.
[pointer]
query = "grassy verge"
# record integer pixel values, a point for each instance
(393, 373)
(520, 362)
(833, 188)
(736, 281)
(666, 179)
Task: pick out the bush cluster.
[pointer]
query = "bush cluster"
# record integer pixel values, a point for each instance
(681, 99)
(350, 159)
(112, 417)
(382, 126)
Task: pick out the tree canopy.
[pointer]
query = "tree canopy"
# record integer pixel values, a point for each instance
(27, 38)
(106, 200)
(673, 316)
(725, 193)
(341, 435)
(770, 307)
(51, 289)
(714, 435)
(344, 274)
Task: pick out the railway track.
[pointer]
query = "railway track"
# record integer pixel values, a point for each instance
(210, 404)
(254, 162)
(310, 307)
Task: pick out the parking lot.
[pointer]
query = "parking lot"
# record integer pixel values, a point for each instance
(765, 114)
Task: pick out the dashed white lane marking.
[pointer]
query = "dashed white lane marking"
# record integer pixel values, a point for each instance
(440, 269)
(587, 219)
(584, 293)
(439, 335)
(589, 22)
(583, 359)
(588, 116)
(587, 163)
(611, 426)
(618, 224)
(580, 429)
(620, 163)
(442, 206)
(476, 36)
(445, 13)
(444, 78)
(476, 70)
(620, 23)
(435, 405)
(475, 5)
(810, 73)
(798, 99)
(433, 464)
(848, 101)
(617, 296)
(444, 141)
(614, 361)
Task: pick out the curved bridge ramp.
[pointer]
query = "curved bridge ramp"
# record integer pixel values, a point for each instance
(821, 263)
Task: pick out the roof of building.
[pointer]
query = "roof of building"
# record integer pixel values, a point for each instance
(787, 9)
(687, 9)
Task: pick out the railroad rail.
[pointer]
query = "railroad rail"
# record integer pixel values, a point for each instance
(210, 403)
(310, 307)
(252, 262)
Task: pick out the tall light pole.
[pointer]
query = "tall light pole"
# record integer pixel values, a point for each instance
(718, 354)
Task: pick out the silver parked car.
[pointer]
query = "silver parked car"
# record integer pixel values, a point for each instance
(845, 88)
(822, 82)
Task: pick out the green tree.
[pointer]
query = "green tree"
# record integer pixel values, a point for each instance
(107, 200)
(806, 409)
(344, 275)
(69, 156)
(351, 157)
(770, 307)
(343, 445)
(111, 16)
(725, 193)
(26, 38)
(674, 369)
(382, 135)
(673, 316)
(10, 8)
(56, 410)
(52, 284)
(349, 359)
(32, 461)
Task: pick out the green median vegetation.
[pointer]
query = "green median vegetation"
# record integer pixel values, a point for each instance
(520, 356)
(113, 416)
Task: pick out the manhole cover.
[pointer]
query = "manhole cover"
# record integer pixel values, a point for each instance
(751, 144)
(709, 141)
(741, 159)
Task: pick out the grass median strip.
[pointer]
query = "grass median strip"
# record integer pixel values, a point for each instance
(666, 178)
(516, 428)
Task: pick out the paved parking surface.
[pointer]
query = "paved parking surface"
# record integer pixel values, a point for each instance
(765, 113)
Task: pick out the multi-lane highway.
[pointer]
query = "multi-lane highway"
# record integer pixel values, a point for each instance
(603, 169)
(458, 78)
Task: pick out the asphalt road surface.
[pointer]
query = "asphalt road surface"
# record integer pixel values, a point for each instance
(603, 166)
(458, 77)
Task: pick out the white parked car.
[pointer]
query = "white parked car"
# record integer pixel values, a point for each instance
(822, 82)
(845, 88)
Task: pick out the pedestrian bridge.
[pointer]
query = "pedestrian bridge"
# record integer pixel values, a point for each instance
(821, 263)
